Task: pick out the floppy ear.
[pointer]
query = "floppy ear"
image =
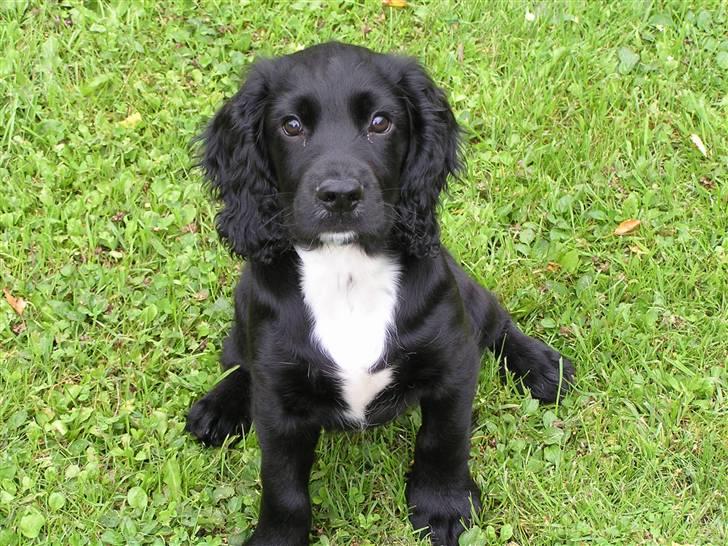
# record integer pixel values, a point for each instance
(235, 162)
(433, 155)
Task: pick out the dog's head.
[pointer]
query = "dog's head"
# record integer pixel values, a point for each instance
(331, 144)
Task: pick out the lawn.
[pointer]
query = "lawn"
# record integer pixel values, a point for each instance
(578, 116)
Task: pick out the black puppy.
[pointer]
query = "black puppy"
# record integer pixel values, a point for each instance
(329, 163)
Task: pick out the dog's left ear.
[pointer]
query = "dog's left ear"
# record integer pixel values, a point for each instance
(433, 155)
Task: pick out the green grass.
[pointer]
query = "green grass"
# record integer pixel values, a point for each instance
(575, 121)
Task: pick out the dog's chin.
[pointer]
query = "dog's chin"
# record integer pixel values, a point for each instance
(319, 239)
(368, 235)
(338, 238)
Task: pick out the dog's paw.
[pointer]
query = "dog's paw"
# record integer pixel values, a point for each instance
(547, 372)
(443, 513)
(213, 418)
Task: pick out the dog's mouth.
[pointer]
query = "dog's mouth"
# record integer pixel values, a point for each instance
(338, 237)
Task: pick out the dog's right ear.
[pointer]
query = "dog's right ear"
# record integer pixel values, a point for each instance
(236, 164)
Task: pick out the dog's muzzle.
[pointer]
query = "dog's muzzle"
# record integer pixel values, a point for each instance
(339, 195)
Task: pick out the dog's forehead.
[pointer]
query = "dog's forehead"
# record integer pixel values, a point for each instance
(335, 69)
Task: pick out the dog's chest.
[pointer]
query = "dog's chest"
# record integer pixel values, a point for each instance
(352, 298)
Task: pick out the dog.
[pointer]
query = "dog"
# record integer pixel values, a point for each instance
(329, 163)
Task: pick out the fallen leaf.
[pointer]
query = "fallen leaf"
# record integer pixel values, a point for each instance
(460, 53)
(628, 226)
(600, 265)
(552, 266)
(131, 120)
(707, 183)
(699, 144)
(18, 328)
(395, 3)
(18, 304)
(202, 295)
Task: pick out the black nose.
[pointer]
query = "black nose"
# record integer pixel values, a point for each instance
(339, 195)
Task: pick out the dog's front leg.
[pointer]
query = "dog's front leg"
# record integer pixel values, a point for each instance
(285, 507)
(440, 491)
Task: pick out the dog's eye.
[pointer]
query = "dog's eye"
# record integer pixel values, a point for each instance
(292, 126)
(380, 124)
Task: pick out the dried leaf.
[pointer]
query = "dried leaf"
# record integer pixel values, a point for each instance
(395, 3)
(699, 144)
(628, 226)
(202, 295)
(190, 228)
(131, 120)
(552, 266)
(18, 304)
(707, 183)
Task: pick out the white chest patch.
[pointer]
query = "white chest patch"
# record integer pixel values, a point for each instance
(352, 298)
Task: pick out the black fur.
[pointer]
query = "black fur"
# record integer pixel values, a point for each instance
(267, 182)
(236, 165)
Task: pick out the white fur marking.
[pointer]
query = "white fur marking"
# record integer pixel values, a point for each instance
(352, 298)
(337, 237)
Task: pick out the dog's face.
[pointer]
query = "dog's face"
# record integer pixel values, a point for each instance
(337, 134)
(331, 144)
